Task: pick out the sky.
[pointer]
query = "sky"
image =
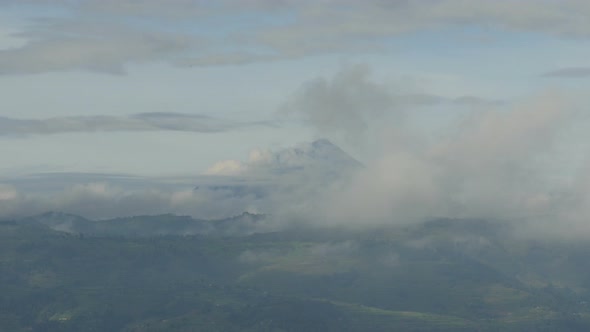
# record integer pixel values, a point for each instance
(168, 89)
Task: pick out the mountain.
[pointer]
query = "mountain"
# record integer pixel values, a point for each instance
(320, 155)
(143, 274)
(267, 173)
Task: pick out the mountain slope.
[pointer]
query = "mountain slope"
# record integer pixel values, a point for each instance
(320, 162)
(150, 226)
(445, 275)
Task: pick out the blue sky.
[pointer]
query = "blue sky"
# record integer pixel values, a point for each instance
(169, 88)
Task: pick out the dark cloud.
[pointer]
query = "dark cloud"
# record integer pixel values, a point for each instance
(343, 105)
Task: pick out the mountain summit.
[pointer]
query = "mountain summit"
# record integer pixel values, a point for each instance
(267, 171)
(319, 155)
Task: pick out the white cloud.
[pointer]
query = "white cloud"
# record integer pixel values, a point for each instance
(7, 192)
(227, 167)
(259, 161)
(109, 200)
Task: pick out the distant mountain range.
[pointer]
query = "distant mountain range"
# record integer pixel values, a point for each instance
(63, 272)
(149, 226)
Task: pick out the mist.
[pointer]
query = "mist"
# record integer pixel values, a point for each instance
(103, 200)
(515, 161)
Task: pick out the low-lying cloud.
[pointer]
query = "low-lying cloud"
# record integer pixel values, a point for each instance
(101, 200)
(491, 166)
(488, 163)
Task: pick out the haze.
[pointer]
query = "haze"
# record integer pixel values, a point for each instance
(454, 109)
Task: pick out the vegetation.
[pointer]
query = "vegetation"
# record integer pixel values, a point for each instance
(440, 276)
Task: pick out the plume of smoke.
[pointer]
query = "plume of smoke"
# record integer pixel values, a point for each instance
(343, 106)
(491, 164)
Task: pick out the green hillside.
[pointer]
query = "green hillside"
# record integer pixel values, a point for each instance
(446, 275)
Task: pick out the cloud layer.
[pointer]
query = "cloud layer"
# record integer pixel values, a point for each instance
(109, 200)
(137, 122)
(55, 45)
(107, 35)
(490, 163)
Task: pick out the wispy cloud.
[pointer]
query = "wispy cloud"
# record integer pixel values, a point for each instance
(100, 196)
(570, 72)
(60, 44)
(367, 24)
(109, 200)
(107, 35)
(137, 122)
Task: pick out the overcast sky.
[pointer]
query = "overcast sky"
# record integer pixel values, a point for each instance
(170, 88)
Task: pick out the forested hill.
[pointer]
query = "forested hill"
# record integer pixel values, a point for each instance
(154, 275)
(150, 226)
